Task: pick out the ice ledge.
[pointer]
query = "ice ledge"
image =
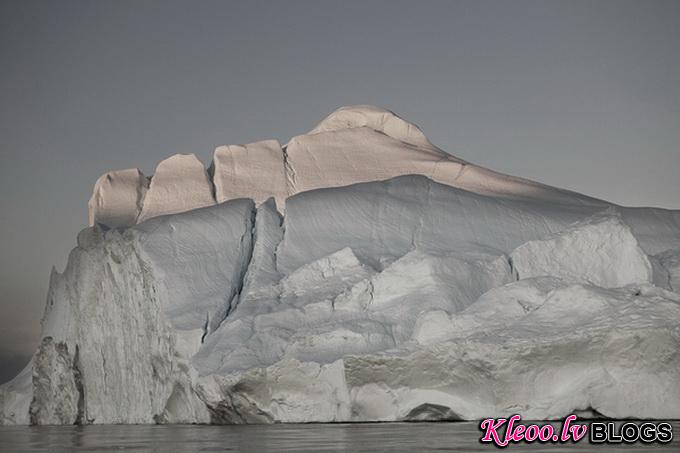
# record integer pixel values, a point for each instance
(600, 250)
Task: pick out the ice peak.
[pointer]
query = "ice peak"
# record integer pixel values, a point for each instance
(354, 144)
(180, 160)
(376, 118)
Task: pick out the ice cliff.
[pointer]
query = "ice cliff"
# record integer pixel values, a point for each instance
(358, 273)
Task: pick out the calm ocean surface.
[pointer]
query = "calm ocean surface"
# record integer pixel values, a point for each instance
(370, 437)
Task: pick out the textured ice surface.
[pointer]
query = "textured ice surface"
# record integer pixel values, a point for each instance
(670, 262)
(252, 171)
(179, 184)
(600, 250)
(353, 144)
(199, 261)
(554, 351)
(117, 198)
(454, 293)
(108, 353)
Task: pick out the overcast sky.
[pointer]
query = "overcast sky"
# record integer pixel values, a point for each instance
(583, 95)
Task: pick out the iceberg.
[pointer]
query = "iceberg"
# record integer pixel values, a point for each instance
(357, 273)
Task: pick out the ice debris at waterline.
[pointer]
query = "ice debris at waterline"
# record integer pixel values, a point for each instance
(358, 273)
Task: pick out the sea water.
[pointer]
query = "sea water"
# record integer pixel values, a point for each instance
(363, 437)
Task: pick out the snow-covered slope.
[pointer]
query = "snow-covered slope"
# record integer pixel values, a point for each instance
(400, 283)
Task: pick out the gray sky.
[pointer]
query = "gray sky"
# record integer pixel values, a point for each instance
(583, 95)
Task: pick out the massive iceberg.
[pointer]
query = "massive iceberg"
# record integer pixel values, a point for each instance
(357, 273)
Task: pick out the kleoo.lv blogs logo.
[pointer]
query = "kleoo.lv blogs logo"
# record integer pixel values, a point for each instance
(501, 432)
